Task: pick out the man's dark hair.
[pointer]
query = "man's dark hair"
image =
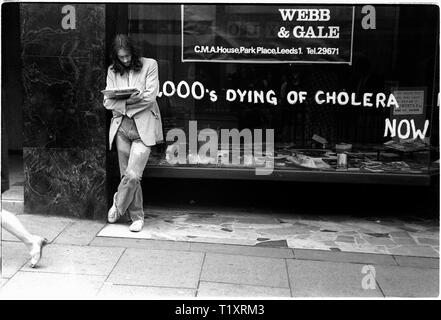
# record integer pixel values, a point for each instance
(122, 41)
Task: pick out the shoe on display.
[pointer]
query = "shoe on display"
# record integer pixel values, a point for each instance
(136, 226)
(37, 251)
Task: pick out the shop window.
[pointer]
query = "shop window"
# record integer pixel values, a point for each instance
(398, 57)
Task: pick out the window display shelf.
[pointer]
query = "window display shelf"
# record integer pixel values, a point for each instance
(305, 175)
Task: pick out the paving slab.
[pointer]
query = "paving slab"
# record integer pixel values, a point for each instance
(46, 226)
(259, 219)
(206, 220)
(31, 285)
(14, 206)
(285, 231)
(141, 243)
(80, 232)
(349, 239)
(14, 193)
(379, 241)
(14, 256)
(158, 268)
(306, 243)
(236, 269)
(361, 248)
(417, 262)
(240, 242)
(113, 291)
(243, 250)
(404, 241)
(352, 257)
(408, 282)
(428, 241)
(215, 289)
(273, 244)
(120, 230)
(78, 260)
(327, 279)
(416, 251)
(400, 234)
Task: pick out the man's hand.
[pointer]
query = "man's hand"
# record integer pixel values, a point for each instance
(134, 98)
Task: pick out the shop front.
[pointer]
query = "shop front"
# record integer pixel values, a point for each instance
(346, 94)
(311, 93)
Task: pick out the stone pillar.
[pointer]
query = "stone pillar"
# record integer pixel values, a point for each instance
(64, 120)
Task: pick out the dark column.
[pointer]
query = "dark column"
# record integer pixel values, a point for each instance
(64, 119)
(4, 163)
(12, 90)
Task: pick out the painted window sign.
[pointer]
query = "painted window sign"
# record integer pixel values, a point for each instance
(267, 34)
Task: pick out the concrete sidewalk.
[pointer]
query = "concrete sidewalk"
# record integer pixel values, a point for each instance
(78, 264)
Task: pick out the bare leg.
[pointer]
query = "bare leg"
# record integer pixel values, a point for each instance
(11, 223)
(34, 243)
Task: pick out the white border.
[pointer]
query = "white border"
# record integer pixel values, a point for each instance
(264, 61)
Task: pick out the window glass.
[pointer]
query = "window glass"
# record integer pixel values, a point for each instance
(397, 57)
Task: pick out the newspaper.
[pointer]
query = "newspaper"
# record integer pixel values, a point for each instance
(119, 93)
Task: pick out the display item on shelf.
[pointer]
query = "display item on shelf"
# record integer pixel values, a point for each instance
(407, 145)
(308, 162)
(342, 161)
(223, 156)
(343, 147)
(320, 140)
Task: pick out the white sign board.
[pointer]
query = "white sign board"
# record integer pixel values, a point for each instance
(409, 101)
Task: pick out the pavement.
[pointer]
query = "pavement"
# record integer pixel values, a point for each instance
(80, 264)
(290, 228)
(220, 253)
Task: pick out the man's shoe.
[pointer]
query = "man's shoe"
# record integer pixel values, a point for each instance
(136, 226)
(37, 251)
(112, 215)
